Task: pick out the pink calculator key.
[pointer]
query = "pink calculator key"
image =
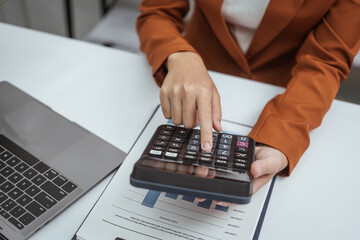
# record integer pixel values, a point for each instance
(242, 144)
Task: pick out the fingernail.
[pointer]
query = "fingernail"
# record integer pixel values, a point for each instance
(206, 146)
(219, 122)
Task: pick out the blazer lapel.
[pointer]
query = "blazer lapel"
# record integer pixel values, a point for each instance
(277, 16)
(212, 11)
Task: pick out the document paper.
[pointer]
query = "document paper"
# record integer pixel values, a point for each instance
(127, 212)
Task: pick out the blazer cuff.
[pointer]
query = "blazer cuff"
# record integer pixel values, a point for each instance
(159, 70)
(283, 135)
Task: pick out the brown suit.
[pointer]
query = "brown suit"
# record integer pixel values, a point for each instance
(303, 45)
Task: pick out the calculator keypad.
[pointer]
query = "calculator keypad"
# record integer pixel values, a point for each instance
(184, 146)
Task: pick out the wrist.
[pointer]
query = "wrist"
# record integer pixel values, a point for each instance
(181, 58)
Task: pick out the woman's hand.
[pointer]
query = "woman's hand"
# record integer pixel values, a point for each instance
(268, 162)
(188, 96)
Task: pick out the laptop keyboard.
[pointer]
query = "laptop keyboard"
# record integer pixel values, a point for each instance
(28, 187)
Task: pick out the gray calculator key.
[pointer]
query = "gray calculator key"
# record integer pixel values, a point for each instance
(223, 152)
(241, 155)
(242, 139)
(224, 146)
(195, 136)
(194, 142)
(225, 141)
(226, 136)
(193, 148)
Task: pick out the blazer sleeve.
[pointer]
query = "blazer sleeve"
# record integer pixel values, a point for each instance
(322, 62)
(160, 26)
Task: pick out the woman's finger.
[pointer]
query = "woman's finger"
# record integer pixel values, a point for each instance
(165, 103)
(189, 112)
(261, 181)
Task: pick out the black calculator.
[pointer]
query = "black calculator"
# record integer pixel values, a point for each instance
(174, 162)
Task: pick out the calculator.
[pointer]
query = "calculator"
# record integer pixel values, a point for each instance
(174, 162)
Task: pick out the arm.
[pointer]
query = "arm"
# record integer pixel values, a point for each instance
(187, 93)
(323, 61)
(159, 27)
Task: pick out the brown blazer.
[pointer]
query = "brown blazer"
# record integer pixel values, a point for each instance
(306, 46)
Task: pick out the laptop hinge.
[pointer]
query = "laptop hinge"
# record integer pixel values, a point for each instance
(2, 237)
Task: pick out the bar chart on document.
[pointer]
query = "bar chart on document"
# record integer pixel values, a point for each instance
(178, 214)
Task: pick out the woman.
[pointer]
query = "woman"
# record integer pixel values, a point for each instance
(306, 46)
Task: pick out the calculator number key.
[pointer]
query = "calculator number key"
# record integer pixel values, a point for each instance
(155, 153)
(193, 148)
(171, 155)
(222, 152)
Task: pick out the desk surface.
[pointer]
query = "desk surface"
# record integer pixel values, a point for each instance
(91, 84)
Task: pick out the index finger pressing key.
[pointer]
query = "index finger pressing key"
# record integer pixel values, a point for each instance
(205, 119)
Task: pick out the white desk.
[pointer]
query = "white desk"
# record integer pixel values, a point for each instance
(105, 90)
